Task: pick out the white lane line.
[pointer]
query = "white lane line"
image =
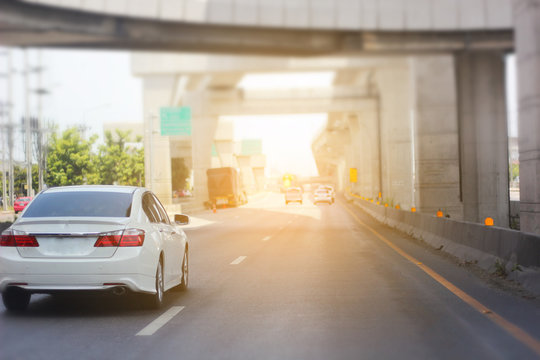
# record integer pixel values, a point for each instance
(238, 260)
(155, 325)
(266, 238)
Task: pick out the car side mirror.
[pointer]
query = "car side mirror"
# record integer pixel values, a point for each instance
(181, 219)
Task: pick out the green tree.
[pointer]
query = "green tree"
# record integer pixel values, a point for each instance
(70, 160)
(118, 163)
(514, 171)
(179, 173)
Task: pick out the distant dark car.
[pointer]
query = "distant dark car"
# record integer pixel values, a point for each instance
(20, 203)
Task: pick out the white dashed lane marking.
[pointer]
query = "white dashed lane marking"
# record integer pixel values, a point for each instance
(266, 238)
(155, 325)
(238, 260)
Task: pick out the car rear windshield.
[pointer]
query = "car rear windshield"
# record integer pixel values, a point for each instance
(80, 204)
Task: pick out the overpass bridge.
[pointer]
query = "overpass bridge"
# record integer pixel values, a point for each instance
(431, 131)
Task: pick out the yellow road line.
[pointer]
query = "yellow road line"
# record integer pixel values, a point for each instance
(514, 330)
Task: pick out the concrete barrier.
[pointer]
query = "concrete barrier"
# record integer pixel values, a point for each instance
(490, 247)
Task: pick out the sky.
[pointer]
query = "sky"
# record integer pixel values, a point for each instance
(85, 87)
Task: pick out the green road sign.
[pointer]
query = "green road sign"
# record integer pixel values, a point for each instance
(175, 121)
(251, 147)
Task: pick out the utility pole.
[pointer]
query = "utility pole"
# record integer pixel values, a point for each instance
(9, 131)
(41, 92)
(27, 126)
(4, 170)
(5, 106)
(6, 136)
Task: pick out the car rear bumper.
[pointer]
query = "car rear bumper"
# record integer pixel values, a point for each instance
(48, 275)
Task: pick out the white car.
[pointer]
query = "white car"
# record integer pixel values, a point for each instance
(78, 238)
(293, 195)
(322, 195)
(330, 189)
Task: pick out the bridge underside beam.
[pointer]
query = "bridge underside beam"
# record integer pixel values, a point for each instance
(300, 106)
(34, 25)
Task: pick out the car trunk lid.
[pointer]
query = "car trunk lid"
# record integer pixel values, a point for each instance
(68, 238)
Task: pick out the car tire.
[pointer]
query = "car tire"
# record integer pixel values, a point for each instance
(155, 301)
(16, 299)
(185, 274)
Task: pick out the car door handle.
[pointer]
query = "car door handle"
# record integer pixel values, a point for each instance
(171, 232)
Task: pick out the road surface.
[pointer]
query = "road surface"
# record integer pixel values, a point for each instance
(270, 281)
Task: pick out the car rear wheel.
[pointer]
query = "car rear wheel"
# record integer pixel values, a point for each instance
(155, 301)
(16, 299)
(185, 274)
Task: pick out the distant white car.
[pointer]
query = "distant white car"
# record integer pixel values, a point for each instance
(77, 238)
(330, 189)
(293, 194)
(322, 195)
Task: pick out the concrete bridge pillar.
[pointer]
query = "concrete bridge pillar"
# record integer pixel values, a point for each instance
(436, 153)
(203, 131)
(394, 137)
(157, 159)
(483, 136)
(527, 28)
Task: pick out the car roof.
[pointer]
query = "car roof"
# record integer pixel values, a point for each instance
(102, 188)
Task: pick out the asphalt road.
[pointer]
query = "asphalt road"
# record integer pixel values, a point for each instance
(269, 281)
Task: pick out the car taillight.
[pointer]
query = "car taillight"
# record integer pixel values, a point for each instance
(13, 238)
(132, 237)
(128, 237)
(109, 239)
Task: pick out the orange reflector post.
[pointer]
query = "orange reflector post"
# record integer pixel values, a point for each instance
(488, 221)
(397, 207)
(385, 205)
(413, 209)
(439, 213)
(380, 195)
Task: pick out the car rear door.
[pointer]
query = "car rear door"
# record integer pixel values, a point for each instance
(173, 242)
